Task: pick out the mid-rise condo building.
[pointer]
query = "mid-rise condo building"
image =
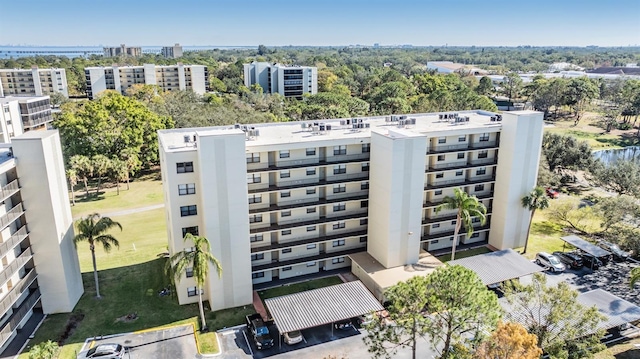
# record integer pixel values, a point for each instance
(20, 114)
(289, 81)
(122, 50)
(167, 78)
(172, 52)
(33, 82)
(282, 200)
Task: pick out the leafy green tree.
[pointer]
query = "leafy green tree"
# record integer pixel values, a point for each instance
(406, 312)
(44, 350)
(84, 169)
(622, 177)
(101, 165)
(199, 260)
(467, 208)
(536, 199)
(580, 92)
(566, 152)
(512, 85)
(119, 173)
(509, 341)
(564, 327)
(634, 276)
(458, 304)
(72, 176)
(93, 229)
(58, 99)
(130, 158)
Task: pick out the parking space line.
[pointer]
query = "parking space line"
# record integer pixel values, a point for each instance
(247, 341)
(303, 338)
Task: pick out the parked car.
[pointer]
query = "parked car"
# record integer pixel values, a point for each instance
(590, 261)
(572, 260)
(259, 331)
(294, 337)
(343, 324)
(618, 254)
(552, 193)
(550, 261)
(103, 351)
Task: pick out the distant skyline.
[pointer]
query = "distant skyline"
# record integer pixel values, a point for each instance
(321, 23)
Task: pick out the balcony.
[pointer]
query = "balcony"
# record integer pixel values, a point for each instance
(434, 204)
(315, 221)
(451, 165)
(11, 216)
(17, 290)
(9, 190)
(458, 183)
(462, 165)
(463, 231)
(312, 162)
(440, 218)
(302, 242)
(306, 203)
(321, 256)
(332, 179)
(16, 264)
(463, 147)
(19, 315)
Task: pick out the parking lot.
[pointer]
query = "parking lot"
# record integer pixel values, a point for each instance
(170, 343)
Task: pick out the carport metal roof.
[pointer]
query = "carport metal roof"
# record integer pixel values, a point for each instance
(586, 246)
(496, 267)
(321, 306)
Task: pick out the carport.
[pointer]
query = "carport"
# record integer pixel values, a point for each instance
(585, 246)
(321, 306)
(497, 267)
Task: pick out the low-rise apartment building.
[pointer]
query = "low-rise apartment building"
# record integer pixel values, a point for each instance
(289, 81)
(167, 78)
(40, 272)
(21, 114)
(33, 82)
(281, 200)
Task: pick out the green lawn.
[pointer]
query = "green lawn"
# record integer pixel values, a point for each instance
(468, 253)
(587, 130)
(299, 287)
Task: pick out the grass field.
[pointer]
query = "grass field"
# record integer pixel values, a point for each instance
(597, 138)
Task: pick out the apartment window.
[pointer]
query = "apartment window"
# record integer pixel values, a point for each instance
(311, 151)
(461, 155)
(311, 264)
(189, 272)
(363, 239)
(257, 275)
(256, 238)
(285, 174)
(365, 167)
(462, 138)
(453, 223)
(257, 256)
(478, 188)
(337, 260)
(339, 169)
(364, 204)
(285, 194)
(253, 157)
(311, 171)
(339, 225)
(442, 140)
(286, 232)
(483, 154)
(184, 167)
(285, 214)
(339, 188)
(366, 147)
(364, 185)
(435, 225)
(339, 150)
(434, 242)
(475, 220)
(284, 269)
(459, 173)
(484, 137)
(255, 198)
(439, 175)
(339, 207)
(481, 171)
(311, 210)
(450, 239)
(437, 192)
(364, 221)
(192, 291)
(475, 235)
(311, 191)
(188, 211)
(440, 158)
(256, 218)
(254, 178)
(284, 154)
(184, 189)
(339, 243)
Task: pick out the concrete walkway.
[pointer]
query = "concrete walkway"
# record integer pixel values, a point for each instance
(259, 306)
(128, 211)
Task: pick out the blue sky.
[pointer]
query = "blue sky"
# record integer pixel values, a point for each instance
(321, 22)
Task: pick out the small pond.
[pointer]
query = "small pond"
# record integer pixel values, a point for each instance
(609, 156)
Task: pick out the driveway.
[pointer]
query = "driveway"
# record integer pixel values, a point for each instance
(170, 343)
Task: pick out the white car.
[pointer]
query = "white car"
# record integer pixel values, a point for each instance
(294, 337)
(103, 351)
(550, 261)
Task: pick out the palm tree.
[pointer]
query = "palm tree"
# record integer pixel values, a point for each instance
(93, 230)
(536, 199)
(468, 207)
(72, 175)
(198, 260)
(634, 276)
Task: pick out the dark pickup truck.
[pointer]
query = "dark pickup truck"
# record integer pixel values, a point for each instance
(259, 331)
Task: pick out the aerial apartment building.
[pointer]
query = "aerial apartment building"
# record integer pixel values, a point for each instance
(40, 272)
(167, 78)
(33, 82)
(289, 81)
(122, 50)
(172, 52)
(281, 200)
(20, 114)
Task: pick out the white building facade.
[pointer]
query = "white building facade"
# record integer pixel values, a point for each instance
(172, 52)
(167, 78)
(289, 81)
(33, 82)
(40, 271)
(283, 200)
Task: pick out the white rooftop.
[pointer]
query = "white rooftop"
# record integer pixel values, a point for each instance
(426, 124)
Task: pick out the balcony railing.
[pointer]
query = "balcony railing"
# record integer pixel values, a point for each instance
(356, 196)
(463, 231)
(11, 216)
(316, 221)
(453, 183)
(16, 264)
(15, 238)
(309, 240)
(17, 290)
(299, 260)
(480, 197)
(463, 147)
(483, 144)
(310, 162)
(332, 179)
(448, 165)
(19, 315)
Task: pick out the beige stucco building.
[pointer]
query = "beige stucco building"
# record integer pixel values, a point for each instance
(33, 82)
(282, 200)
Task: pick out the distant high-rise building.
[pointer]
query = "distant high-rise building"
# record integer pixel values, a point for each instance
(172, 52)
(289, 81)
(122, 50)
(168, 78)
(33, 82)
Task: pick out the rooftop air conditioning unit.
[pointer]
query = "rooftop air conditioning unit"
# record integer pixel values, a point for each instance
(237, 125)
(343, 122)
(403, 117)
(367, 125)
(303, 125)
(412, 121)
(387, 119)
(328, 127)
(316, 128)
(347, 121)
(187, 138)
